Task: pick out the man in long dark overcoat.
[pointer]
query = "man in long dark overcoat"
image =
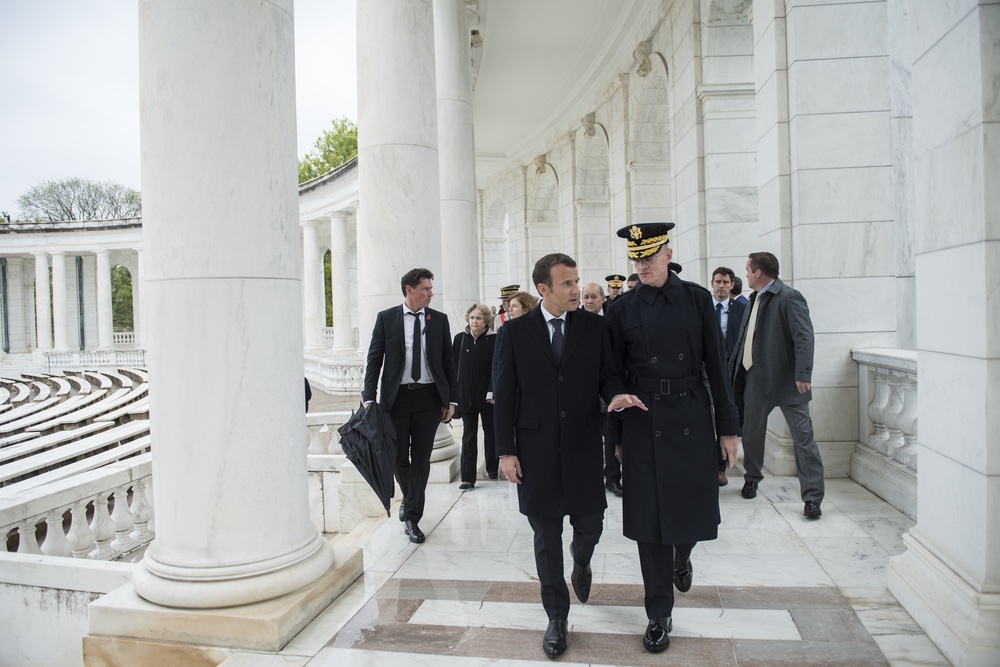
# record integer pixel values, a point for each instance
(553, 366)
(664, 331)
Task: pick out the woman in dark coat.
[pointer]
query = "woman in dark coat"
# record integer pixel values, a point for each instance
(474, 363)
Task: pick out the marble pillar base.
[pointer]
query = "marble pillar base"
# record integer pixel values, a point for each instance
(962, 622)
(122, 626)
(886, 478)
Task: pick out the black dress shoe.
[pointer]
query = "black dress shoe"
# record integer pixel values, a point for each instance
(493, 475)
(581, 578)
(749, 490)
(554, 642)
(812, 510)
(615, 488)
(402, 512)
(413, 532)
(657, 638)
(683, 573)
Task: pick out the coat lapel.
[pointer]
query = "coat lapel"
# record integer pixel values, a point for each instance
(575, 324)
(540, 332)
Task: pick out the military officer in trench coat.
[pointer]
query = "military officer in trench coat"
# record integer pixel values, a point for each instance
(663, 332)
(553, 366)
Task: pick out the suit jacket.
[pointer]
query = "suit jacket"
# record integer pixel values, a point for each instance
(783, 346)
(548, 412)
(387, 355)
(736, 312)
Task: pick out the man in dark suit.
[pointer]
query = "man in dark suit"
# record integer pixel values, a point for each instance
(729, 313)
(554, 365)
(772, 367)
(419, 386)
(664, 334)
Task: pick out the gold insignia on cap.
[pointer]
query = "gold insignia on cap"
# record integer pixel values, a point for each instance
(635, 232)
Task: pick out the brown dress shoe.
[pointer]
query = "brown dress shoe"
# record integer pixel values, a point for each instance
(723, 480)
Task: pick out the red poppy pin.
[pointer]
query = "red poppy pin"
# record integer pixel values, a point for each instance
(428, 317)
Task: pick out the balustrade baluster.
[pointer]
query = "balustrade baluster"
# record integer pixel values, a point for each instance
(81, 537)
(103, 527)
(55, 543)
(315, 443)
(876, 410)
(891, 416)
(121, 518)
(27, 543)
(142, 512)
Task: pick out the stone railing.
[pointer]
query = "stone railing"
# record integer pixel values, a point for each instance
(117, 524)
(123, 338)
(336, 375)
(59, 359)
(886, 457)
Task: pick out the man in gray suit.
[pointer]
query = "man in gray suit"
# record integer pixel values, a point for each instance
(772, 367)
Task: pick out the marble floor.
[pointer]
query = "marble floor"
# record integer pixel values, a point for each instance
(774, 589)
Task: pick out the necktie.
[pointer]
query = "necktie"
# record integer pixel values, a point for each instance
(415, 371)
(557, 338)
(718, 313)
(751, 329)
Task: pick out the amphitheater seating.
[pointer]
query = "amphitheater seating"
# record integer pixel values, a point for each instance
(53, 426)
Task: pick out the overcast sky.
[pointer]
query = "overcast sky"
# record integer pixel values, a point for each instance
(69, 87)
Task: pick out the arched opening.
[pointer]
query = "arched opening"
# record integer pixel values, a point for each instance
(121, 300)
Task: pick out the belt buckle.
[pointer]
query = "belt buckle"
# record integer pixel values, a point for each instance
(664, 387)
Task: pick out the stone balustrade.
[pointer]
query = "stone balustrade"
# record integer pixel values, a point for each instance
(117, 523)
(885, 460)
(123, 338)
(336, 375)
(54, 359)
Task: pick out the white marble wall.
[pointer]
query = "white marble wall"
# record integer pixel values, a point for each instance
(949, 577)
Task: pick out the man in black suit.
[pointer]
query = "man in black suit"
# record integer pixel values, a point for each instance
(554, 365)
(419, 386)
(729, 313)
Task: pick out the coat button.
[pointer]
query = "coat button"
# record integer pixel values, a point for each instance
(656, 397)
(560, 378)
(683, 394)
(681, 356)
(687, 432)
(652, 360)
(657, 434)
(562, 414)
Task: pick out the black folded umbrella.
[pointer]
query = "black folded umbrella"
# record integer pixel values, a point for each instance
(368, 439)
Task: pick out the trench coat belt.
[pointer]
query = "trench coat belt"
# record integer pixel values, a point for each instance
(666, 386)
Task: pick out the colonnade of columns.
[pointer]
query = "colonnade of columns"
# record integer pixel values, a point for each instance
(77, 312)
(313, 292)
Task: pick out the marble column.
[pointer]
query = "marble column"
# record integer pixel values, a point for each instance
(104, 314)
(340, 284)
(60, 333)
(43, 303)
(459, 279)
(224, 334)
(312, 286)
(948, 579)
(399, 227)
(137, 291)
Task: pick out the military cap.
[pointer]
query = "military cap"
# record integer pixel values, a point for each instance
(615, 280)
(645, 238)
(509, 291)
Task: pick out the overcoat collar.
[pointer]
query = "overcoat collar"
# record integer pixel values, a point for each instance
(539, 329)
(671, 289)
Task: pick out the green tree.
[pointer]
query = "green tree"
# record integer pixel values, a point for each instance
(121, 299)
(328, 287)
(79, 199)
(332, 149)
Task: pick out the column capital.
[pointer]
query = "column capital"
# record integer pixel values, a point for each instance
(312, 223)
